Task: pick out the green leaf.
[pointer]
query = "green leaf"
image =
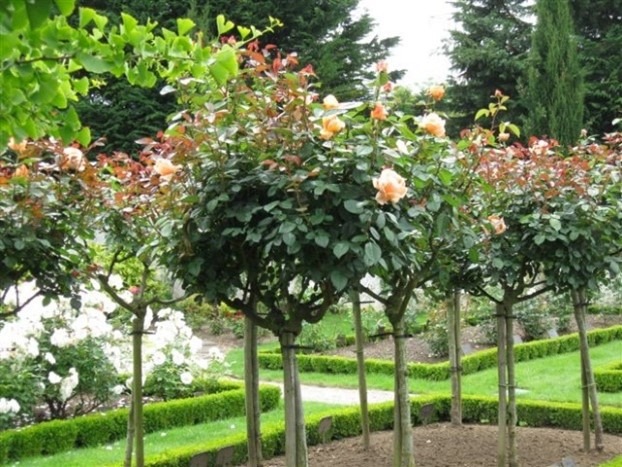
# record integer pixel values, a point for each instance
(84, 136)
(184, 25)
(129, 22)
(482, 113)
(322, 240)
(65, 7)
(38, 12)
(338, 279)
(555, 223)
(353, 206)
(92, 63)
(223, 25)
(244, 32)
(86, 16)
(372, 254)
(81, 85)
(340, 249)
(289, 238)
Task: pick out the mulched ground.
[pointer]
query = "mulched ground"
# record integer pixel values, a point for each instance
(443, 445)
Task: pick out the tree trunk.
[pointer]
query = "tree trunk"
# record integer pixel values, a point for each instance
(251, 387)
(590, 395)
(295, 435)
(403, 450)
(355, 296)
(138, 327)
(127, 462)
(453, 329)
(511, 383)
(501, 371)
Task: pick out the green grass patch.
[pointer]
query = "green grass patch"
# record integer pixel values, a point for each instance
(163, 441)
(555, 378)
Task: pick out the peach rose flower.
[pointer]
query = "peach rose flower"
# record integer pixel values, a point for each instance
(391, 187)
(382, 66)
(330, 126)
(498, 224)
(436, 92)
(330, 102)
(165, 169)
(72, 159)
(21, 171)
(433, 124)
(379, 112)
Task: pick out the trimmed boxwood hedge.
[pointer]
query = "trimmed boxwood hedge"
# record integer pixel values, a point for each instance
(440, 371)
(609, 377)
(95, 429)
(346, 423)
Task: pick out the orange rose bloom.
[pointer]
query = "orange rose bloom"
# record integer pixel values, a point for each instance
(19, 148)
(330, 102)
(433, 124)
(72, 159)
(21, 171)
(379, 112)
(391, 187)
(498, 224)
(165, 169)
(330, 126)
(436, 92)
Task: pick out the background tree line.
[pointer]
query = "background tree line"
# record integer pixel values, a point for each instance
(490, 47)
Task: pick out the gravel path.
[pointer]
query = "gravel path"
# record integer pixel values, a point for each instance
(338, 395)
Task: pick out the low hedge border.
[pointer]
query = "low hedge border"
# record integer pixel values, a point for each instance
(440, 371)
(346, 423)
(56, 436)
(609, 377)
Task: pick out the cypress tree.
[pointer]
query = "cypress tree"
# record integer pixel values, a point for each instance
(554, 84)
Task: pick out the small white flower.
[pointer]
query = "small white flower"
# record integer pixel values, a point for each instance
(49, 358)
(8, 405)
(158, 357)
(178, 357)
(115, 281)
(186, 378)
(53, 378)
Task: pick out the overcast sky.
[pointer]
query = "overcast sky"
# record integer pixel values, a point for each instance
(422, 26)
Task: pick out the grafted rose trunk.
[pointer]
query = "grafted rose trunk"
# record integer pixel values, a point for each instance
(403, 450)
(295, 434)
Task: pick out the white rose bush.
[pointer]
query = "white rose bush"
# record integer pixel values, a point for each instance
(58, 362)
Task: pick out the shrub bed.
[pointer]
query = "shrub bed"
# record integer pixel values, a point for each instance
(609, 377)
(62, 435)
(346, 423)
(440, 371)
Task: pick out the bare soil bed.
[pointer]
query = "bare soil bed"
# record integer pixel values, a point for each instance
(418, 350)
(443, 445)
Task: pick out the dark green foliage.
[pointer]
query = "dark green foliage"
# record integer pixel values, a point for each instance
(554, 83)
(598, 24)
(91, 430)
(487, 52)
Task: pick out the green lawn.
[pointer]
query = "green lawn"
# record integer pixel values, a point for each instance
(554, 378)
(157, 443)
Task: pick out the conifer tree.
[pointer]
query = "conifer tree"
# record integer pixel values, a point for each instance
(488, 51)
(555, 84)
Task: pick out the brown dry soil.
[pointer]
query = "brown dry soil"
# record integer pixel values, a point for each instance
(443, 445)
